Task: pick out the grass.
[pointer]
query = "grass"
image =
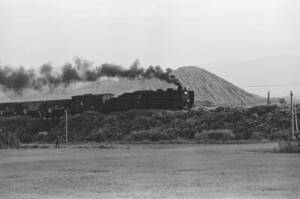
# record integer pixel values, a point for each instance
(150, 171)
(219, 135)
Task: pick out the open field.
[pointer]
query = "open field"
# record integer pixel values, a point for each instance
(150, 171)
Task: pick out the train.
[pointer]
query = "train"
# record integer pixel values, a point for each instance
(173, 99)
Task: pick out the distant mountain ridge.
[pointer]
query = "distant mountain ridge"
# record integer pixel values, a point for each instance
(207, 87)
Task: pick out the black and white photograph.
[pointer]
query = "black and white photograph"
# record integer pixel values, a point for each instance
(149, 99)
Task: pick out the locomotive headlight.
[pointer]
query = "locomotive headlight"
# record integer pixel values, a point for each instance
(185, 92)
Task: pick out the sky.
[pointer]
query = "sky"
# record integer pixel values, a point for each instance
(170, 33)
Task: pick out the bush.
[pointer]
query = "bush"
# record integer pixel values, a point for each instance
(79, 126)
(262, 109)
(280, 135)
(288, 147)
(8, 140)
(25, 128)
(216, 135)
(150, 135)
(97, 136)
(261, 122)
(257, 136)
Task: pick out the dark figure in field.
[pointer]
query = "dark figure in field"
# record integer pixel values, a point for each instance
(57, 142)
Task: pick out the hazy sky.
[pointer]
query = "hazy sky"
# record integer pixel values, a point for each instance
(170, 33)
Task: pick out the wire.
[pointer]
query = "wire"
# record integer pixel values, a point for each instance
(273, 85)
(198, 103)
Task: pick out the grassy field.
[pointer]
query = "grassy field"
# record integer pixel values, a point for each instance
(150, 171)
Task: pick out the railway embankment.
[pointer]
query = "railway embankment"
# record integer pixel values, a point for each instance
(221, 124)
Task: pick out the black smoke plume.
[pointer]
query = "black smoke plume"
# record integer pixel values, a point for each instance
(17, 80)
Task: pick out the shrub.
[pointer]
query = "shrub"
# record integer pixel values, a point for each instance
(8, 140)
(262, 109)
(150, 135)
(288, 147)
(97, 136)
(25, 128)
(216, 135)
(79, 126)
(261, 122)
(280, 135)
(257, 136)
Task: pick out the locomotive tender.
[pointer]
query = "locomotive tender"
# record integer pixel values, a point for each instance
(106, 103)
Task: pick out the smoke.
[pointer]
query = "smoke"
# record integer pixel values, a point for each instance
(16, 79)
(20, 79)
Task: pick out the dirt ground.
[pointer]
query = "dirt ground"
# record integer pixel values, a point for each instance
(150, 171)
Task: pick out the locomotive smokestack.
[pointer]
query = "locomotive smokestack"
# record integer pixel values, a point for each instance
(179, 87)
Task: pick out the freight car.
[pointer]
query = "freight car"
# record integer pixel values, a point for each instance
(31, 108)
(81, 103)
(159, 99)
(8, 109)
(54, 108)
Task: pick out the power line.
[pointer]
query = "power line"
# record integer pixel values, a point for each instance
(272, 85)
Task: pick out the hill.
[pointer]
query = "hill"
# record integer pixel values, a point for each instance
(210, 87)
(207, 87)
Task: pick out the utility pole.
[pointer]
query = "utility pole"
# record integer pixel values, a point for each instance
(268, 97)
(42, 111)
(66, 111)
(292, 114)
(296, 119)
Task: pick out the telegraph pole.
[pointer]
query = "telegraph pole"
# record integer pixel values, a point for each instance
(268, 97)
(292, 114)
(66, 111)
(296, 119)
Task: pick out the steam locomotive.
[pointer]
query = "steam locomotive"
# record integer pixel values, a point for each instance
(144, 99)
